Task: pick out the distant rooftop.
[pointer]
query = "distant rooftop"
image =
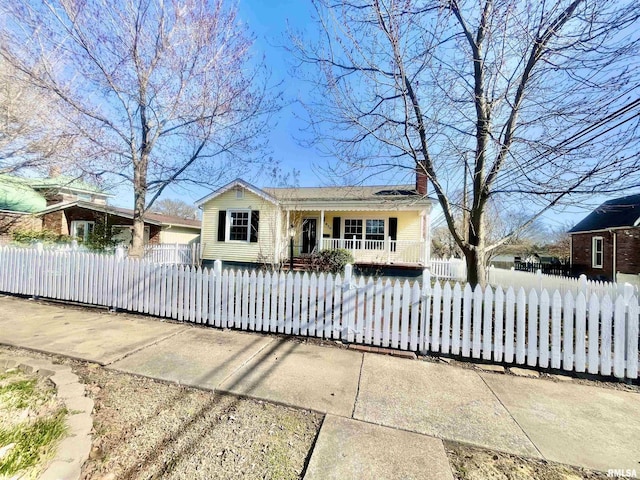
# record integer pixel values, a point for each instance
(64, 182)
(17, 196)
(619, 212)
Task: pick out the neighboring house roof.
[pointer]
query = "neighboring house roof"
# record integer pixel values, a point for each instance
(150, 218)
(616, 213)
(17, 196)
(377, 194)
(65, 183)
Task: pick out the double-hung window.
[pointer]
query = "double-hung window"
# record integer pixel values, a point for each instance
(239, 225)
(597, 252)
(374, 234)
(81, 229)
(352, 233)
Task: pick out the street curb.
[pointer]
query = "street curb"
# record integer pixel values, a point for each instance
(74, 449)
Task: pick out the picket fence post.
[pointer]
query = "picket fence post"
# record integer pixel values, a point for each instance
(349, 305)
(426, 311)
(582, 285)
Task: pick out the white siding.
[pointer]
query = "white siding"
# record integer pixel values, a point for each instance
(179, 235)
(237, 251)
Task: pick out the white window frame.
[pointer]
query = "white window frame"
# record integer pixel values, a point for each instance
(228, 229)
(595, 251)
(86, 223)
(384, 228)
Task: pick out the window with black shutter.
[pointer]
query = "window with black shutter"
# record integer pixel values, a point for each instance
(393, 232)
(222, 225)
(255, 221)
(336, 227)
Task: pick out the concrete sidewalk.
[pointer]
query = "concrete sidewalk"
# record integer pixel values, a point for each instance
(368, 397)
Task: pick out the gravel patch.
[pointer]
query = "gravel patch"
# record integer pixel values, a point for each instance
(149, 429)
(473, 463)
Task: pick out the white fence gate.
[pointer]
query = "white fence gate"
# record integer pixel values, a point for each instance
(449, 269)
(571, 332)
(180, 254)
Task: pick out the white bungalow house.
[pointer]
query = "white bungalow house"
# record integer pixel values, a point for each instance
(243, 225)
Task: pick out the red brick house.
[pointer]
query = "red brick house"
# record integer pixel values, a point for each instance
(606, 243)
(78, 218)
(68, 206)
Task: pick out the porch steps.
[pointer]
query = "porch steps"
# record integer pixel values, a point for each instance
(300, 264)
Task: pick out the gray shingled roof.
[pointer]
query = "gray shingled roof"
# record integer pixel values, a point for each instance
(619, 212)
(375, 192)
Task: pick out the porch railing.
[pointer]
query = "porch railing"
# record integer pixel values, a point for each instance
(379, 251)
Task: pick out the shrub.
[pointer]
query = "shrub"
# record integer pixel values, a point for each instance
(332, 261)
(101, 238)
(33, 236)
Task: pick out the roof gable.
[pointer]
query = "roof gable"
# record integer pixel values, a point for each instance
(616, 213)
(238, 183)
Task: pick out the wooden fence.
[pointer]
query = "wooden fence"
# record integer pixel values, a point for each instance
(571, 332)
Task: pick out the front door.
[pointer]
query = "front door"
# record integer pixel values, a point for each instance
(308, 235)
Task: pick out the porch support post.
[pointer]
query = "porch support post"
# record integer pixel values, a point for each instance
(427, 237)
(287, 227)
(321, 232)
(277, 254)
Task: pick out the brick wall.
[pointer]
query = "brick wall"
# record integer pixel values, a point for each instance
(154, 234)
(60, 222)
(627, 253)
(582, 254)
(628, 250)
(55, 222)
(10, 222)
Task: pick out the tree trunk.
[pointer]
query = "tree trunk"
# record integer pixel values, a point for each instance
(476, 267)
(139, 197)
(475, 254)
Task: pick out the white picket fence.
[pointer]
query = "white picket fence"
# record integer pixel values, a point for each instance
(448, 269)
(176, 253)
(540, 281)
(571, 332)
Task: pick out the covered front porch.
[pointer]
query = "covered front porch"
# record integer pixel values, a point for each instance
(374, 237)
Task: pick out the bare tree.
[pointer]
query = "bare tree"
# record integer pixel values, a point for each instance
(177, 208)
(33, 133)
(532, 103)
(167, 91)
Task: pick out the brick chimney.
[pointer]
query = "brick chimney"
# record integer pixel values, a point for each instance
(54, 171)
(421, 179)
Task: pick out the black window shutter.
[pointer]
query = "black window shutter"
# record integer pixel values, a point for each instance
(336, 227)
(222, 225)
(393, 228)
(255, 221)
(393, 232)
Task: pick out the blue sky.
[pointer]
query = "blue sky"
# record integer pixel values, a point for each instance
(269, 23)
